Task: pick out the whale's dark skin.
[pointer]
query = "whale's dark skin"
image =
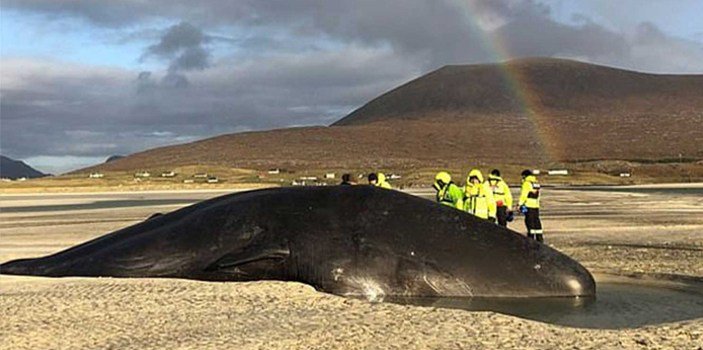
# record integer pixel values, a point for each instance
(346, 240)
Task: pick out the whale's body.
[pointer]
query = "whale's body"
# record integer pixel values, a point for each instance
(346, 240)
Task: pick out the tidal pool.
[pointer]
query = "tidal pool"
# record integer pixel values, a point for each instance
(620, 302)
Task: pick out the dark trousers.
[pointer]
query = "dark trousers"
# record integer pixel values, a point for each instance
(533, 224)
(502, 215)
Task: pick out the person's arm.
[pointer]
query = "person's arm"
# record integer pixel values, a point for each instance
(524, 190)
(508, 195)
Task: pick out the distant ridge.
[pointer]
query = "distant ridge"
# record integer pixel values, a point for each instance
(15, 169)
(551, 85)
(461, 116)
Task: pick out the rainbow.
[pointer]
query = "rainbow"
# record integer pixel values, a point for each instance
(517, 83)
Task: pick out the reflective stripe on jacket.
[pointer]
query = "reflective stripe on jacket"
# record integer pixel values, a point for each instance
(478, 200)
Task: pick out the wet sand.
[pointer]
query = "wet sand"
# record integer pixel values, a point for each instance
(651, 235)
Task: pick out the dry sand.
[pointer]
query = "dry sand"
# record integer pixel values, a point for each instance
(649, 233)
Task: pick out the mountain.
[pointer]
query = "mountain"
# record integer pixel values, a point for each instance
(553, 87)
(528, 111)
(15, 169)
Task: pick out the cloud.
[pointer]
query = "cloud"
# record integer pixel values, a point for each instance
(183, 45)
(113, 111)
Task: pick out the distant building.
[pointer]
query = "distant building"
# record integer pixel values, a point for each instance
(142, 174)
(188, 181)
(274, 171)
(536, 171)
(308, 178)
(96, 175)
(213, 180)
(625, 175)
(168, 174)
(200, 175)
(330, 176)
(558, 172)
(394, 177)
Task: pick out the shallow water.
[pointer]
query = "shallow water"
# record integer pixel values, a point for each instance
(624, 303)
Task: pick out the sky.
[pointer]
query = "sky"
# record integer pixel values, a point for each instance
(83, 80)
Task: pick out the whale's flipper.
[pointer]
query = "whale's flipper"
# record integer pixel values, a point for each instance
(249, 263)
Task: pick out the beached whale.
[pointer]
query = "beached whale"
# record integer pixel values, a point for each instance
(346, 240)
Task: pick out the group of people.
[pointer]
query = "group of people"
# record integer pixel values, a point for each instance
(375, 179)
(491, 199)
(488, 199)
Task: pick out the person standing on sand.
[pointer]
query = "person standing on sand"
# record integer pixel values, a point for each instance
(447, 192)
(502, 196)
(346, 180)
(529, 205)
(379, 180)
(478, 197)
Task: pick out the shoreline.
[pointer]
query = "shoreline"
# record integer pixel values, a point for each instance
(39, 191)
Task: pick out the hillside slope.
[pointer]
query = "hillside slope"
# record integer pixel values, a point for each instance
(461, 116)
(541, 85)
(15, 169)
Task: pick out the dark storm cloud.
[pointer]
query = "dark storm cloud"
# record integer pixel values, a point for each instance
(430, 31)
(183, 45)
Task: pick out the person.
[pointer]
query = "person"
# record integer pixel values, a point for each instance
(478, 197)
(346, 180)
(379, 180)
(383, 182)
(373, 179)
(529, 205)
(502, 196)
(447, 192)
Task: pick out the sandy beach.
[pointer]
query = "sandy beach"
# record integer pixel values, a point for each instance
(650, 235)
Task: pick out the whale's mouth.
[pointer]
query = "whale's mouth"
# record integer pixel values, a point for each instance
(620, 303)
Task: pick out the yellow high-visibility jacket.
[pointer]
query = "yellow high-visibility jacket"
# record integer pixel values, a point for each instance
(451, 195)
(478, 199)
(382, 182)
(529, 192)
(501, 191)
